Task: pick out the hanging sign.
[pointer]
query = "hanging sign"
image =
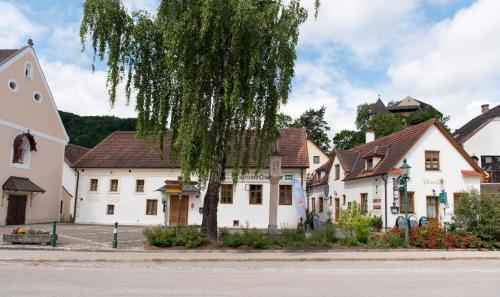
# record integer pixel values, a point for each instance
(443, 199)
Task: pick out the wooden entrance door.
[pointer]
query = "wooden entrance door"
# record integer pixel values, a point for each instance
(433, 210)
(337, 209)
(178, 210)
(16, 211)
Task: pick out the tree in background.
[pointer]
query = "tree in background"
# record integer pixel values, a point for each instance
(205, 69)
(363, 116)
(385, 123)
(284, 120)
(316, 127)
(347, 139)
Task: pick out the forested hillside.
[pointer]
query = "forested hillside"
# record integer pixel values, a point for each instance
(88, 131)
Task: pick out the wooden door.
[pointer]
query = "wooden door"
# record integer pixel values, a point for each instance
(337, 209)
(433, 210)
(178, 212)
(16, 211)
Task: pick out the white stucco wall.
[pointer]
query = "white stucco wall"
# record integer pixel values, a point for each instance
(486, 141)
(130, 207)
(69, 183)
(422, 182)
(314, 150)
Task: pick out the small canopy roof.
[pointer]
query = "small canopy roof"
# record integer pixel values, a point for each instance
(175, 186)
(23, 184)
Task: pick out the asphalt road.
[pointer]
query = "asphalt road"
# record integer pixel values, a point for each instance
(338, 278)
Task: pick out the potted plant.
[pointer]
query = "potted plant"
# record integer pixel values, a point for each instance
(377, 223)
(27, 236)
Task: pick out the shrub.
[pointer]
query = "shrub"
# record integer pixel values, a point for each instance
(354, 224)
(377, 223)
(479, 214)
(394, 238)
(188, 236)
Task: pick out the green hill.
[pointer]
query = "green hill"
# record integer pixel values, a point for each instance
(88, 131)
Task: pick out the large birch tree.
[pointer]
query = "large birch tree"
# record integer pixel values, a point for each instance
(213, 72)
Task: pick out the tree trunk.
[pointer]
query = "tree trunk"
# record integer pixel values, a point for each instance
(210, 204)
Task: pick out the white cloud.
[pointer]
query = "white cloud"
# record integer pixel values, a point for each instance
(15, 28)
(362, 26)
(149, 5)
(453, 64)
(82, 92)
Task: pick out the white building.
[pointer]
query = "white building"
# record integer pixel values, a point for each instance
(367, 174)
(317, 157)
(120, 177)
(72, 153)
(479, 138)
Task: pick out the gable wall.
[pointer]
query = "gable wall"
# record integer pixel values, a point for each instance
(486, 142)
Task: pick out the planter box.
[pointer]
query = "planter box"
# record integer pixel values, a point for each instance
(27, 238)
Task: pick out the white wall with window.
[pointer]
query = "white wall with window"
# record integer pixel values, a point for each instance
(316, 156)
(247, 205)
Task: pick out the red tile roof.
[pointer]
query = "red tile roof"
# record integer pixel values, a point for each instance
(73, 153)
(392, 149)
(6, 53)
(122, 149)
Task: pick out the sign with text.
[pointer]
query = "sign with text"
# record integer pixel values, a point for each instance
(299, 199)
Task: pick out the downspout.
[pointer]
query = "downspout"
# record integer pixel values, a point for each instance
(384, 178)
(76, 194)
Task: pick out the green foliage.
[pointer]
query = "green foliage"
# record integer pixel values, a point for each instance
(377, 222)
(284, 120)
(316, 126)
(188, 236)
(205, 69)
(88, 131)
(347, 139)
(385, 123)
(289, 238)
(479, 214)
(354, 224)
(363, 115)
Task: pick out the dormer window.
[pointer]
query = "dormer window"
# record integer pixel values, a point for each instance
(28, 70)
(369, 164)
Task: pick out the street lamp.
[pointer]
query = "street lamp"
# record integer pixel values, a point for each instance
(405, 176)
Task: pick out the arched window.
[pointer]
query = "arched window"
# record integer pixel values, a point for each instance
(28, 70)
(22, 147)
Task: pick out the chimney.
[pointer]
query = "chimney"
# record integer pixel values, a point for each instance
(485, 108)
(370, 136)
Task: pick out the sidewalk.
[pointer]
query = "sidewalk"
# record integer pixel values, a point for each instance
(238, 256)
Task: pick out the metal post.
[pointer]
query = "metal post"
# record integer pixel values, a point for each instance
(53, 237)
(407, 229)
(115, 236)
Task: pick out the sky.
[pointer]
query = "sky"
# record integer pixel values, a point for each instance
(443, 52)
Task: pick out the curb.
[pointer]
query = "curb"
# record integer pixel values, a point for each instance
(196, 260)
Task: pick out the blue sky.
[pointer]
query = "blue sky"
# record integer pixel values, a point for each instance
(443, 52)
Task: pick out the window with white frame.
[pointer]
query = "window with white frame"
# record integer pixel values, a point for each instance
(28, 70)
(113, 185)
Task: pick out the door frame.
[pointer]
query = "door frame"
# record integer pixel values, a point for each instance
(178, 210)
(17, 219)
(337, 209)
(436, 198)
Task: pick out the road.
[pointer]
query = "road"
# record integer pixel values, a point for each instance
(338, 278)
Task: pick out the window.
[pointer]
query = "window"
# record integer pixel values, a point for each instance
(313, 204)
(151, 207)
(337, 171)
(94, 182)
(321, 200)
(113, 185)
(491, 164)
(139, 185)
(28, 70)
(369, 164)
(255, 194)
(431, 160)
(226, 194)
(110, 209)
(285, 195)
(236, 223)
(364, 203)
(37, 97)
(21, 150)
(13, 86)
(343, 199)
(316, 159)
(411, 202)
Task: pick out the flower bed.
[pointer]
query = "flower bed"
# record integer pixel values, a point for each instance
(27, 236)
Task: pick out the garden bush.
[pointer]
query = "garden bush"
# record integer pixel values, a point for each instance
(354, 224)
(479, 214)
(188, 236)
